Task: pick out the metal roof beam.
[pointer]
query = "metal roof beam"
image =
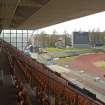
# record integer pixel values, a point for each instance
(30, 3)
(8, 11)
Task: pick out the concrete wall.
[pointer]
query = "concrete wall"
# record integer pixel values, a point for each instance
(81, 45)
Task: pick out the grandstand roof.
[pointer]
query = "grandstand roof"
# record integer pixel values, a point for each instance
(34, 14)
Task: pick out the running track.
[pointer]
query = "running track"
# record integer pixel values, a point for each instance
(86, 63)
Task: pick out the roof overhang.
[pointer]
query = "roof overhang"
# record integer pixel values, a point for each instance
(34, 14)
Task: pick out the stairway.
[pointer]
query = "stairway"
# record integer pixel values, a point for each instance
(8, 93)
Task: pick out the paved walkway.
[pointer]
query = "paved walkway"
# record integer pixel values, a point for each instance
(83, 80)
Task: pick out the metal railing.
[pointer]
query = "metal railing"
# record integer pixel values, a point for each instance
(51, 87)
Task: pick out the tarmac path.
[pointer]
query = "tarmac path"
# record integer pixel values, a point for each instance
(83, 80)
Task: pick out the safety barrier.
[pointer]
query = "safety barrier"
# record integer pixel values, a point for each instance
(51, 87)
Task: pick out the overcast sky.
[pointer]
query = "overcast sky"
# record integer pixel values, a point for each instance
(84, 24)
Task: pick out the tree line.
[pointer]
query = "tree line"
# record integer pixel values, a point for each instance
(43, 39)
(49, 40)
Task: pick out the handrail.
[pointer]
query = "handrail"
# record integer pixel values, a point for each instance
(62, 89)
